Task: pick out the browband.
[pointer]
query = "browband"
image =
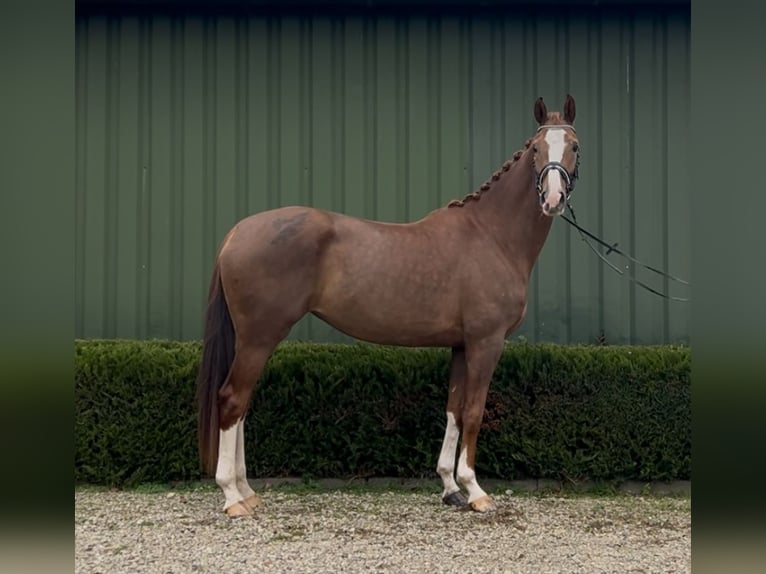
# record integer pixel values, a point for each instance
(561, 126)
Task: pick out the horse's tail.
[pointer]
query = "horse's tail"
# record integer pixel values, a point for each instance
(217, 356)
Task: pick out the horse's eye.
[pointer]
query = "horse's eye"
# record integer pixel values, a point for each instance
(575, 147)
(534, 148)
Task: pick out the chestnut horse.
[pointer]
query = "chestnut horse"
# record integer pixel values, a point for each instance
(456, 278)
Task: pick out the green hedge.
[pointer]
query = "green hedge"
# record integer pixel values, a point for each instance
(560, 412)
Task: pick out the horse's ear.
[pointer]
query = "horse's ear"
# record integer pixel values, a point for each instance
(569, 110)
(541, 112)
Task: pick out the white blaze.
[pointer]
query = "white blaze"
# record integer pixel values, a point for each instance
(556, 144)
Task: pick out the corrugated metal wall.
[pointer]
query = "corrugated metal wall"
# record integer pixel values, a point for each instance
(185, 124)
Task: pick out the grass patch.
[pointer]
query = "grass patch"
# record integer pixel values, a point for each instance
(308, 486)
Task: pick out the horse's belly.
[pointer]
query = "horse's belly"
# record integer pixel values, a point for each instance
(399, 325)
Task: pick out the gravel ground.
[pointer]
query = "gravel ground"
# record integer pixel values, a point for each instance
(387, 531)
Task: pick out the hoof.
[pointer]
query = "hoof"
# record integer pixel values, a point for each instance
(253, 502)
(455, 499)
(238, 509)
(483, 504)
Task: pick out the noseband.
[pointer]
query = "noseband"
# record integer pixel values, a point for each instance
(570, 180)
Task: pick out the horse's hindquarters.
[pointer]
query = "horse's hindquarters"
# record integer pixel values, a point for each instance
(270, 270)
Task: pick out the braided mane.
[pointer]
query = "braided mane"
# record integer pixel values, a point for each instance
(476, 195)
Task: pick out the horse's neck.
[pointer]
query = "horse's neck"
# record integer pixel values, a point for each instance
(511, 213)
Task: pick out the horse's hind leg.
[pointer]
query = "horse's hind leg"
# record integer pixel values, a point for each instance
(226, 475)
(251, 499)
(234, 398)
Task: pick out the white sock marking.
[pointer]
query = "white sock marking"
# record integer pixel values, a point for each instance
(446, 465)
(467, 477)
(226, 471)
(556, 145)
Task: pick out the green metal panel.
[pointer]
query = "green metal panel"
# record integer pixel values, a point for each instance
(187, 123)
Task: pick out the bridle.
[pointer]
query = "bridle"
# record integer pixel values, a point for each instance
(570, 180)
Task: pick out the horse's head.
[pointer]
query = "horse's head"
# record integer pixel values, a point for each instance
(556, 156)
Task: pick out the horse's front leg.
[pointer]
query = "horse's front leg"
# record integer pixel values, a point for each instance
(481, 359)
(446, 466)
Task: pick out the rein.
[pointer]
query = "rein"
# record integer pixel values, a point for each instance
(613, 248)
(570, 181)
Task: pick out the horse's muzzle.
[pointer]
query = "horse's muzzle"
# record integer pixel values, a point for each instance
(553, 204)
